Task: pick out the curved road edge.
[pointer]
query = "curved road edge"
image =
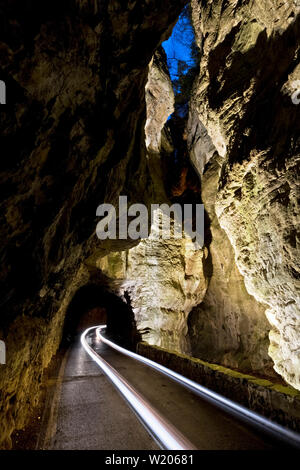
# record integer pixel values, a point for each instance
(238, 411)
(170, 443)
(163, 432)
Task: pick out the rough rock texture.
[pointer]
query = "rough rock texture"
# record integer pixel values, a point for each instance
(164, 280)
(72, 136)
(163, 277)
(229, 327)
(243, 98)
(159, 99)
(267, 251)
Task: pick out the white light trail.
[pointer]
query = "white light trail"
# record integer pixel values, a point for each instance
(250, 417)
(161, 430)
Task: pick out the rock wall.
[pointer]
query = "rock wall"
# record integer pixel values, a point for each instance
(71, 137)
(245, 101)
(164, 280)
(229, 327)
(159, 100)
(163, 277)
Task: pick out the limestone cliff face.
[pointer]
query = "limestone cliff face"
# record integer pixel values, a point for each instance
(267, 250)
(159, 100)
(72, 136)
(243, 99)
(164, 278)
(229, 327)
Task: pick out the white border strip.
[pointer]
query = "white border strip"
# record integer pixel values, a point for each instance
(161, 430)
(239, 411)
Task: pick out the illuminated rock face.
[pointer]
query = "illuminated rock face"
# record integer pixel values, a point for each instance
(229, 327)
(245, 100)
(262, 226)
(163, 277)
(164, 280)
(159, 100)
(72, 136)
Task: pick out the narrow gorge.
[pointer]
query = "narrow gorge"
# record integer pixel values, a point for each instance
(93, 113)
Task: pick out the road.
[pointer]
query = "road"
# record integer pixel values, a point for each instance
(84, 411)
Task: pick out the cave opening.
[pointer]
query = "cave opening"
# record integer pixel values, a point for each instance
(183, 61)
(93, 305)
(181, 180)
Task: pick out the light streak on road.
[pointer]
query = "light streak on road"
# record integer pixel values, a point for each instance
(238, 411)
(161, 430)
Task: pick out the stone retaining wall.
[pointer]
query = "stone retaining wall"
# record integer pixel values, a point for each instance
(277, 402)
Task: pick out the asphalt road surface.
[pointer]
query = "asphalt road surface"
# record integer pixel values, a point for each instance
(84, 411)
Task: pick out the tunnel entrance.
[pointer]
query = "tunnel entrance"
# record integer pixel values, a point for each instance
(94, 305)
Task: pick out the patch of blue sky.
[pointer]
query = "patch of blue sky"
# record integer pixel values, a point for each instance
(179, 45)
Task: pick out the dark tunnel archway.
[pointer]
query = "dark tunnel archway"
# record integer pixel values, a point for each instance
(94, 305)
